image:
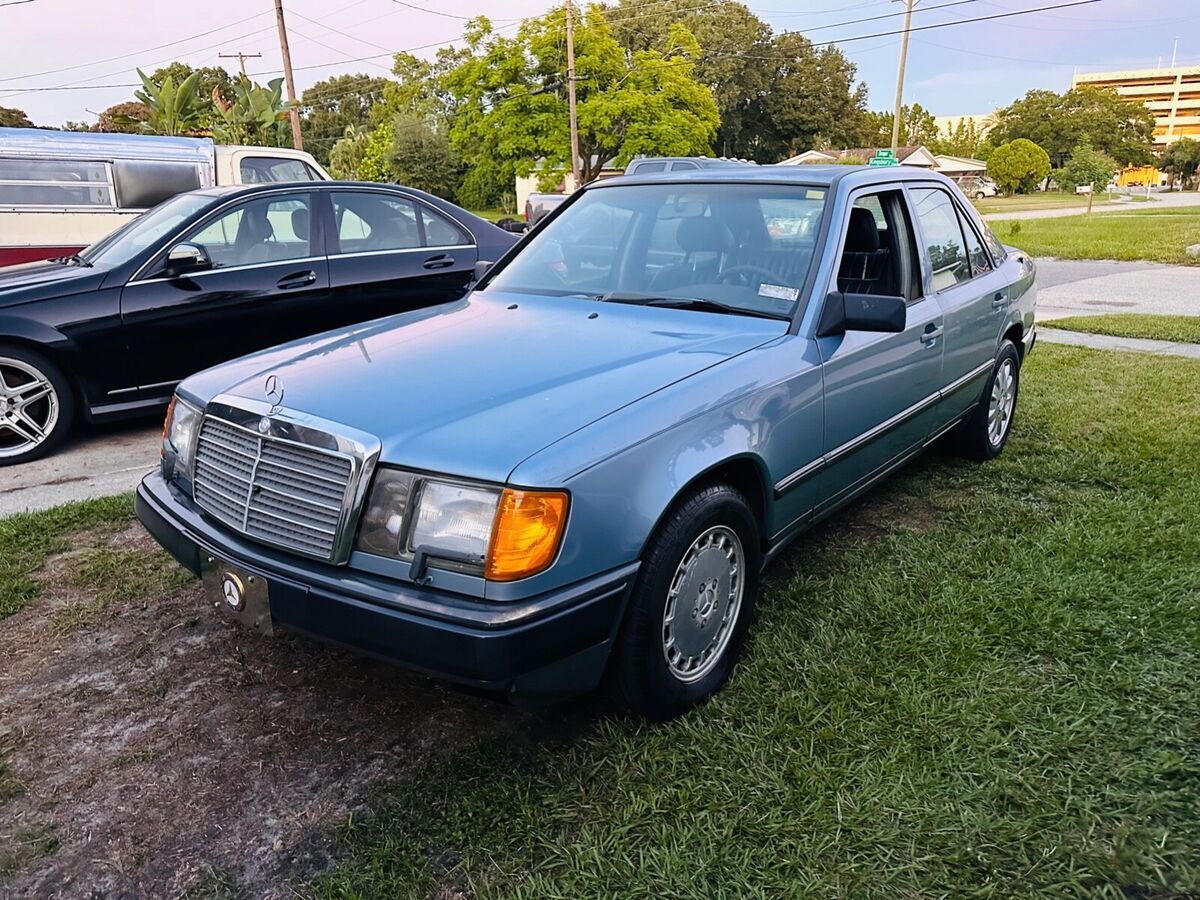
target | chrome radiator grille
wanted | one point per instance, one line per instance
(275, 491)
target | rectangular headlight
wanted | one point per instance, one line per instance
(503, 535)
(179, 434)
(454, 519)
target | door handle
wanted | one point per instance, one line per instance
(932, 333)
(296, 280)
(999, 299)
(441, 261)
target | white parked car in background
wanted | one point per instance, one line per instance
(977, 187)
(61, 191)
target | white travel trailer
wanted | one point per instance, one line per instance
(63, 190)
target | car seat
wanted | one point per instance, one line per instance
(864, 262)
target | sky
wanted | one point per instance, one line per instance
(87, 50)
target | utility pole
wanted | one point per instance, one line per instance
(900, 76)
(297, 139)
(574, 122)
(241, 58)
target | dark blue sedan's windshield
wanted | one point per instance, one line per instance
(746, 246)
(135, 236)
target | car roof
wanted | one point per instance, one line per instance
(811, 175)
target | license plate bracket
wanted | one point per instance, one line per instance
(237, 592)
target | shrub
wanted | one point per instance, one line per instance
(1018, 166)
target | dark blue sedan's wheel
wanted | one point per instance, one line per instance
(691, 606)
(36, 405)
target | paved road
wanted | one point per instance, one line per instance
(113, 459)
(99, 461)
(1091, 287)
(1157, 201)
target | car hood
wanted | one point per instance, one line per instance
(30, 281)
(475, 387)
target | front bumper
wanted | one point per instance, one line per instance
(543, 647)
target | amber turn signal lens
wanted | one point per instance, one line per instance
(525, 538)
(162, 451)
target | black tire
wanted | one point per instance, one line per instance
(15, 365)
(644, 681)
(974, 438)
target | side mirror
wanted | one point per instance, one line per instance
(184, 258)
(861, 312)
(482, 267)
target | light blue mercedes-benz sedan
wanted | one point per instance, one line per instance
(576, 473)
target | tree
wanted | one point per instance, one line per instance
(423, 158)
(331, 106)
(917, 128)
(1018, 166)
(1061, 122)
(11, 117)
(171, 108)
(123, 118)
(1182, 159)
(511, 105)
(1086, 166)
(210, 78)
(346, 157)
(255, 116)
(776, 94)
(964, 138)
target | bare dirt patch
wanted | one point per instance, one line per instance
(156, 749)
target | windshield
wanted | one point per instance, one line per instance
(742, 247)
(136, 235)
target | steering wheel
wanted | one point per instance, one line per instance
(744, 273)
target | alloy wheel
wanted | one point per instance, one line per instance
(703, 603)
(29, 407)
(1004, 397)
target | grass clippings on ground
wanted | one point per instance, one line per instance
(1002, 705)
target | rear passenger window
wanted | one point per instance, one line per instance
(980, 264)
(369, 222)
(440, 231)
(943, 237)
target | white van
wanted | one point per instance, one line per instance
(63, 190)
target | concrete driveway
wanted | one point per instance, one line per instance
(98, 461)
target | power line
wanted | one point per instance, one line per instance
(15, 2)
(100, 62)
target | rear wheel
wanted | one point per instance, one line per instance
(985, 432)
(691, 606)
(36, 405)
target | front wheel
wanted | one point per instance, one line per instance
(985, 432)
(36, 405)
(691, 606)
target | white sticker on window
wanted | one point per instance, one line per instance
(778, 291)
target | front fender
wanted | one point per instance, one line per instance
(761, 411)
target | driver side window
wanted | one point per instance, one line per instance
(877, 250)
(270, 229)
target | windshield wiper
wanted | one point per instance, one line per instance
(74, 260)
(698, 303)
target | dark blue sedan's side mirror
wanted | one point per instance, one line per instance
(861, 312)
(481, 268)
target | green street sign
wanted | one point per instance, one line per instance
(883, 158)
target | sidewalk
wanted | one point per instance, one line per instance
(1156, 201)
(1106, 342)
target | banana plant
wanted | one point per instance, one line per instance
(256, 115)
(173, 109)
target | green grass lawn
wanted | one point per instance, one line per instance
(1159, 235)
(980, 682)
(1042, 200)
(28, 539)
(1185, 329)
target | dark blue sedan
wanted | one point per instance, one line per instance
(212, 275)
